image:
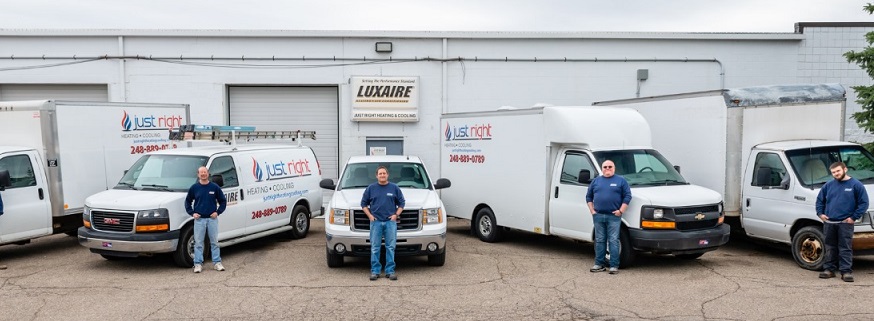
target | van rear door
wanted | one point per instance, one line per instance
(27, 211)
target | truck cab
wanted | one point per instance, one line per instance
(421, 227)
(27, 212)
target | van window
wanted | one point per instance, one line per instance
(224, 166)
(20, 170)
(573, 165)
(771, 161)
(163, 173)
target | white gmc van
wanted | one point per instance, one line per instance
(270, 189)
(422, 225)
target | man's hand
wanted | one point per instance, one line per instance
(850, 220)
(823, 217)
(617, 213)
(214, 215)
(394, 217)
(196, 215)
(371, 217)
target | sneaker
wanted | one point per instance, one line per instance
(614, 270)
(597, 268)
(219, 267)
(847, 277)
(826, 274)
(198, 268)
(373, 277)
(393, 276)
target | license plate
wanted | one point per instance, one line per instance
(703, 242)
(107, 244)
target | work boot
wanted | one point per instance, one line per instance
(826, 274)
(847, 277)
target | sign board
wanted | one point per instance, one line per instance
(386, 99)
(378, 150)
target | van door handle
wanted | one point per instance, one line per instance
(748, 202)
(241, 194)
(39, 191)
(556, 192)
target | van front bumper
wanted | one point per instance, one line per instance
(679, 242)
(128, 244)
(405, 246)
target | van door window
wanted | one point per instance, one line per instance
(20, 170)
(224, 166)
(768, 163)
(573, 164)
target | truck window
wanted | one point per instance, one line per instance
(771, 161)
(20, 170)
(811, 165)
(573, 164)
(224, 166)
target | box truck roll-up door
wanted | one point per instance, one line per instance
(16, 92)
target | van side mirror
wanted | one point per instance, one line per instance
(763, 177)
(327, 184)
(4, 180)
(442, 183)
(784, 183)
(585, 176)
(677, 168)
(218, 180)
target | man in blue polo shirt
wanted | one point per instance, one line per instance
(608, 197)
(209, 202)
(383, 203)
(840, 203)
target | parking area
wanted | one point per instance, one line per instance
(526, 276)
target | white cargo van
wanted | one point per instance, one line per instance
(53, 154)
(421, 227)
(270, 189)
(529, 169)
(767, 149)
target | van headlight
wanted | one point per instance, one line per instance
(339, 217)
(432, 216)
(155, 213)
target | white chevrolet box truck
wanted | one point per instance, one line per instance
(54, 154)
(767, 150)
(529, 169)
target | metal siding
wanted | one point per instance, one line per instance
(17, 92)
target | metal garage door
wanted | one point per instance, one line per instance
(54, 92)
(292, 108)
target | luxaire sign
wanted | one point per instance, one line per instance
(390, 99)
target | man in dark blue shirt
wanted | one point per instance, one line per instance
(608, 197)
(383, 203)
(205, 195)
(840, 203)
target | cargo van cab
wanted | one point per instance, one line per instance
(270, 189)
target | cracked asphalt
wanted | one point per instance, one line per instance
(526, 276)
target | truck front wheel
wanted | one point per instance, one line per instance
(334, 260)
(184, 255)
(437, 259)
(808, 248)
(300, 222)
(485, 226)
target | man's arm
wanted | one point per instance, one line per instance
(188, 199)
(861, 202)
(365, 204)
(820, 203)
(222, 200)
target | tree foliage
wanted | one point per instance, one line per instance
(864, 94)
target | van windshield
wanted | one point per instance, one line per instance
(406, 175)
(811, 165)
(642, 167)
(171, 173)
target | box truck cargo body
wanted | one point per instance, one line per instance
(767, 150)
(529, 170)
(57, 153)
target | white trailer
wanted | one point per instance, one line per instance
(530, 169)
(767, 150)
(54, 154)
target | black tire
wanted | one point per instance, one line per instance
(689, 256)
(437, 259)
(485, 227)
(300, 222)
(627, 254)
(115, 258)
(808, 248)
(184, 254)
(334, 260)
(74, 233)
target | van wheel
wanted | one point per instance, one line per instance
(627, 254)
(334, 260)
(689, 256)
(300, 222)
(808, 248)
(437, 259)
(184, 254)
(486, 227)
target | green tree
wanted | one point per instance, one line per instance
(864, 94)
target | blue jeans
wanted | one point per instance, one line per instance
(206, 225)
(838, 245)
(378, 230)
(607, 234)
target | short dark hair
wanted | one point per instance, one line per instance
(382, 167)
(838, 164)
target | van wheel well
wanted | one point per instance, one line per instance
(305, 203)
(476, 210)
(800, 224)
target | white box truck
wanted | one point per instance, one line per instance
(529, 170)
(767, 150)
(54, 154)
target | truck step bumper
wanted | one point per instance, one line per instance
(680, 242)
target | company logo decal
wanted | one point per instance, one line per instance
(468, 132)
(280, 169)
(132, 122)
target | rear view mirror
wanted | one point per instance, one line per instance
(442, 183)
(585, 177)
(763, 177)
(327, 184)
(218, 180)
(4, 180)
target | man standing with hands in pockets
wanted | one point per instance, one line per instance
(209, 202)
(383, 203)
(608, 197)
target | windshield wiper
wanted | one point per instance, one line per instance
(158, 187)
(674, 181)
(126, 184)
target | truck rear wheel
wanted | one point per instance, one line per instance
(485, 226)
(300, 222)
(437, 259)
(808, 248)
(334, 260)
(184, 254)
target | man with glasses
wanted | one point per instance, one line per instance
(608, 197)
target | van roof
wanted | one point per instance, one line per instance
(212, 150)
(806, 143)
(384, 159)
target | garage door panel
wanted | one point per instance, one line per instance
(14, 92)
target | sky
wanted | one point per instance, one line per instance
(432, 15)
